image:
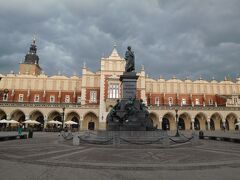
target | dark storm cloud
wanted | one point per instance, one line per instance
(183, 38)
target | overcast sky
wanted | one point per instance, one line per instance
(170, 37)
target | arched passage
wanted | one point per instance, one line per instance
(184, 121)
(217, 121)
(90, 121)
(231, 120)
(200, 122)
(56, 116)
(38, 116)
(73, 116)
(212, 125)
(168, 122)
(2, 116)
(155, 120)
(18, 115)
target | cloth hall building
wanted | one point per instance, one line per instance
(31, 94)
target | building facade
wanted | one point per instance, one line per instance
(31, 94)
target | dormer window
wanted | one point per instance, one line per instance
(235, 100)
(210, 102)
(20, 98)
(170, 101)
(5, 97)
(67, 99)
(184, 102)
(197, 102)
(52, 99)
(36, 98)
(157, 101)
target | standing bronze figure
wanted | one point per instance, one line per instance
(129, 57)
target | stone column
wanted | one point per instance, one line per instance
(192, 121)
(27, 117)
(238, 125)
(224, 124)
(81, 123)
(208, 124)
(8, 116)
(102, 120)
(160, 122)
(102, 104)
(45, 121)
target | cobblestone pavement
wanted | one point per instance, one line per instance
(44, 157)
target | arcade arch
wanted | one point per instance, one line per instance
(184, 121)
(168, 122)
(37, 116)
(73, 116)
(231, 120)
(155, 120)
(200, 121)
(3, 115)
(90, 121)
(55, 115)
(18, 115)
(216, 122)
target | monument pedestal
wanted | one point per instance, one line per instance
(129, 114)
(129, 84)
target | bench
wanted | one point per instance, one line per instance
(13, 137)
(218, 138)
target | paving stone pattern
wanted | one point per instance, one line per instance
(44, 157)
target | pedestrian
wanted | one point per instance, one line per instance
(223, 126)
(20, 129)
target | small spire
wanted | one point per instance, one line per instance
(142, 67)
(34, 39)
(115, 45)
(114, 54)
(174, 77)
(84, 64)
(229, 77)
(200, 77)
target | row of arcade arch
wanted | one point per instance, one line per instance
(198, 122)
(89, 121)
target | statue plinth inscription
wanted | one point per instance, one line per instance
(129, 81)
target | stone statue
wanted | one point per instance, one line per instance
(143, 107)
(129, 57)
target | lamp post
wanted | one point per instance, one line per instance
(63, 117)
(177, 133)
